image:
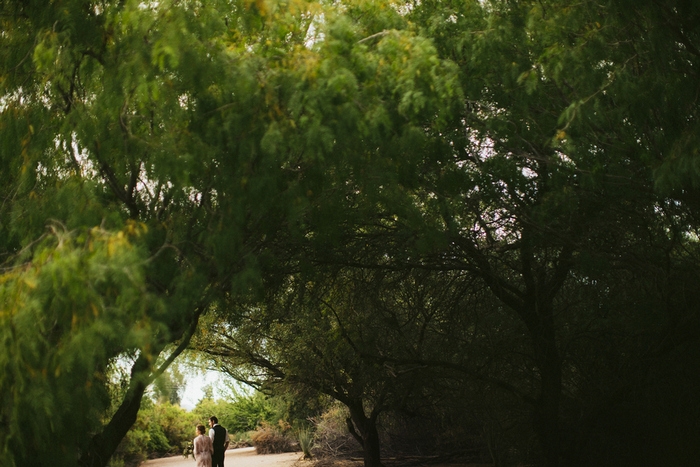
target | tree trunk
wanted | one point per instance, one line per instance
(546, 413)
(103, 445)
(364, 430)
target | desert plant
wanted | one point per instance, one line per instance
(306, 442)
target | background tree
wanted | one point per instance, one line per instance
(169, 386)
(519, 193)
(313, 337)
(542, 176)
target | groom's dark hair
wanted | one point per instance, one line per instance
(214, 419)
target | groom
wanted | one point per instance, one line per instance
(219, 437)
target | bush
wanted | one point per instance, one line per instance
(268, 440)
(241, 439)
(176, 424)
(242, 415)
(133, 449)
(159, 430)
(332, 438)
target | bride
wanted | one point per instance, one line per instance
(203, 448)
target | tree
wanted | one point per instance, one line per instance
(172, 118)
(169, 386)
(361, 337)
(93, 285)
(548, 165)
(544, 177)
(121, 117)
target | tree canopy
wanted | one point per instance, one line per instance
(499, 196)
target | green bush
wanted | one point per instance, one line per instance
(133, 448)
(160, 430)
(176, 424)
(244, 414)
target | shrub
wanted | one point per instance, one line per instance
(241, 439)
(306, 442)
(160, 429)
(332, 438)
(243, 414)
(268, 440)
(176, 424)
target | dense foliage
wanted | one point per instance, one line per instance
(471, 212)
(159, 430)
(164, 429)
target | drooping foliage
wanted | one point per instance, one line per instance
(528, 167)
(76, 302)
(204, 124)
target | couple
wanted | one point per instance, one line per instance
(209, 450)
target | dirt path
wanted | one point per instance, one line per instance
(243, 457)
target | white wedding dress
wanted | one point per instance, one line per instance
(203, 449)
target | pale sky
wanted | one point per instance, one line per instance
(194, 387)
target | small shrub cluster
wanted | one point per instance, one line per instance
(332, 438)
(160, 430)
(240, 440)
(269, 440)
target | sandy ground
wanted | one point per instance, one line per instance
(242, 457)
(247, 457)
